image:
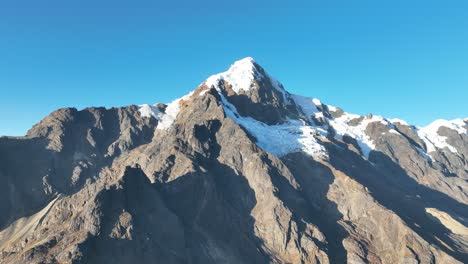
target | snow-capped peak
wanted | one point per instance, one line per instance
(240, 75)
(245, 61)
(294, 133)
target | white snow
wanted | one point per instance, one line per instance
(435, 141)
(306, 104)
(282, 139)
(165, 119)
(342, 127)
(319, 115)
(241, 76)
(316, 101)
(396, 120)
(170, 114)
(456, 124)
(147, 110)
(332, 108)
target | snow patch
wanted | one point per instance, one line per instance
(292, 136)
(396, 120)
(456, 124)
(332, 108)
(306, 104)
(342, 128)
(319, 115)
(166, 118)
(316, 101)
(435, 141)
(147, 110)
(341, 124)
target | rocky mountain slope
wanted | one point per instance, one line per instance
(238, 171)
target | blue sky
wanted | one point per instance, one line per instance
(406, 59)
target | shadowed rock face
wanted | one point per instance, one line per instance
(63, 152)
(266, 100)
(110, 186)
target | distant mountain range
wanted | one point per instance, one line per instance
(238, 171)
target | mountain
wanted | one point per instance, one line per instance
(238, 171)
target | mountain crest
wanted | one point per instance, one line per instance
(253, 92)
(245, 75)
(241, 75)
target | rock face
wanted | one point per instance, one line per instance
(238, 171)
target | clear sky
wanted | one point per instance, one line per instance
(406, 59)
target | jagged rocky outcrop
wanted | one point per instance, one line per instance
(62, 153)
(238, 171)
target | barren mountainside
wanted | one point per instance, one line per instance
(238, 171)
